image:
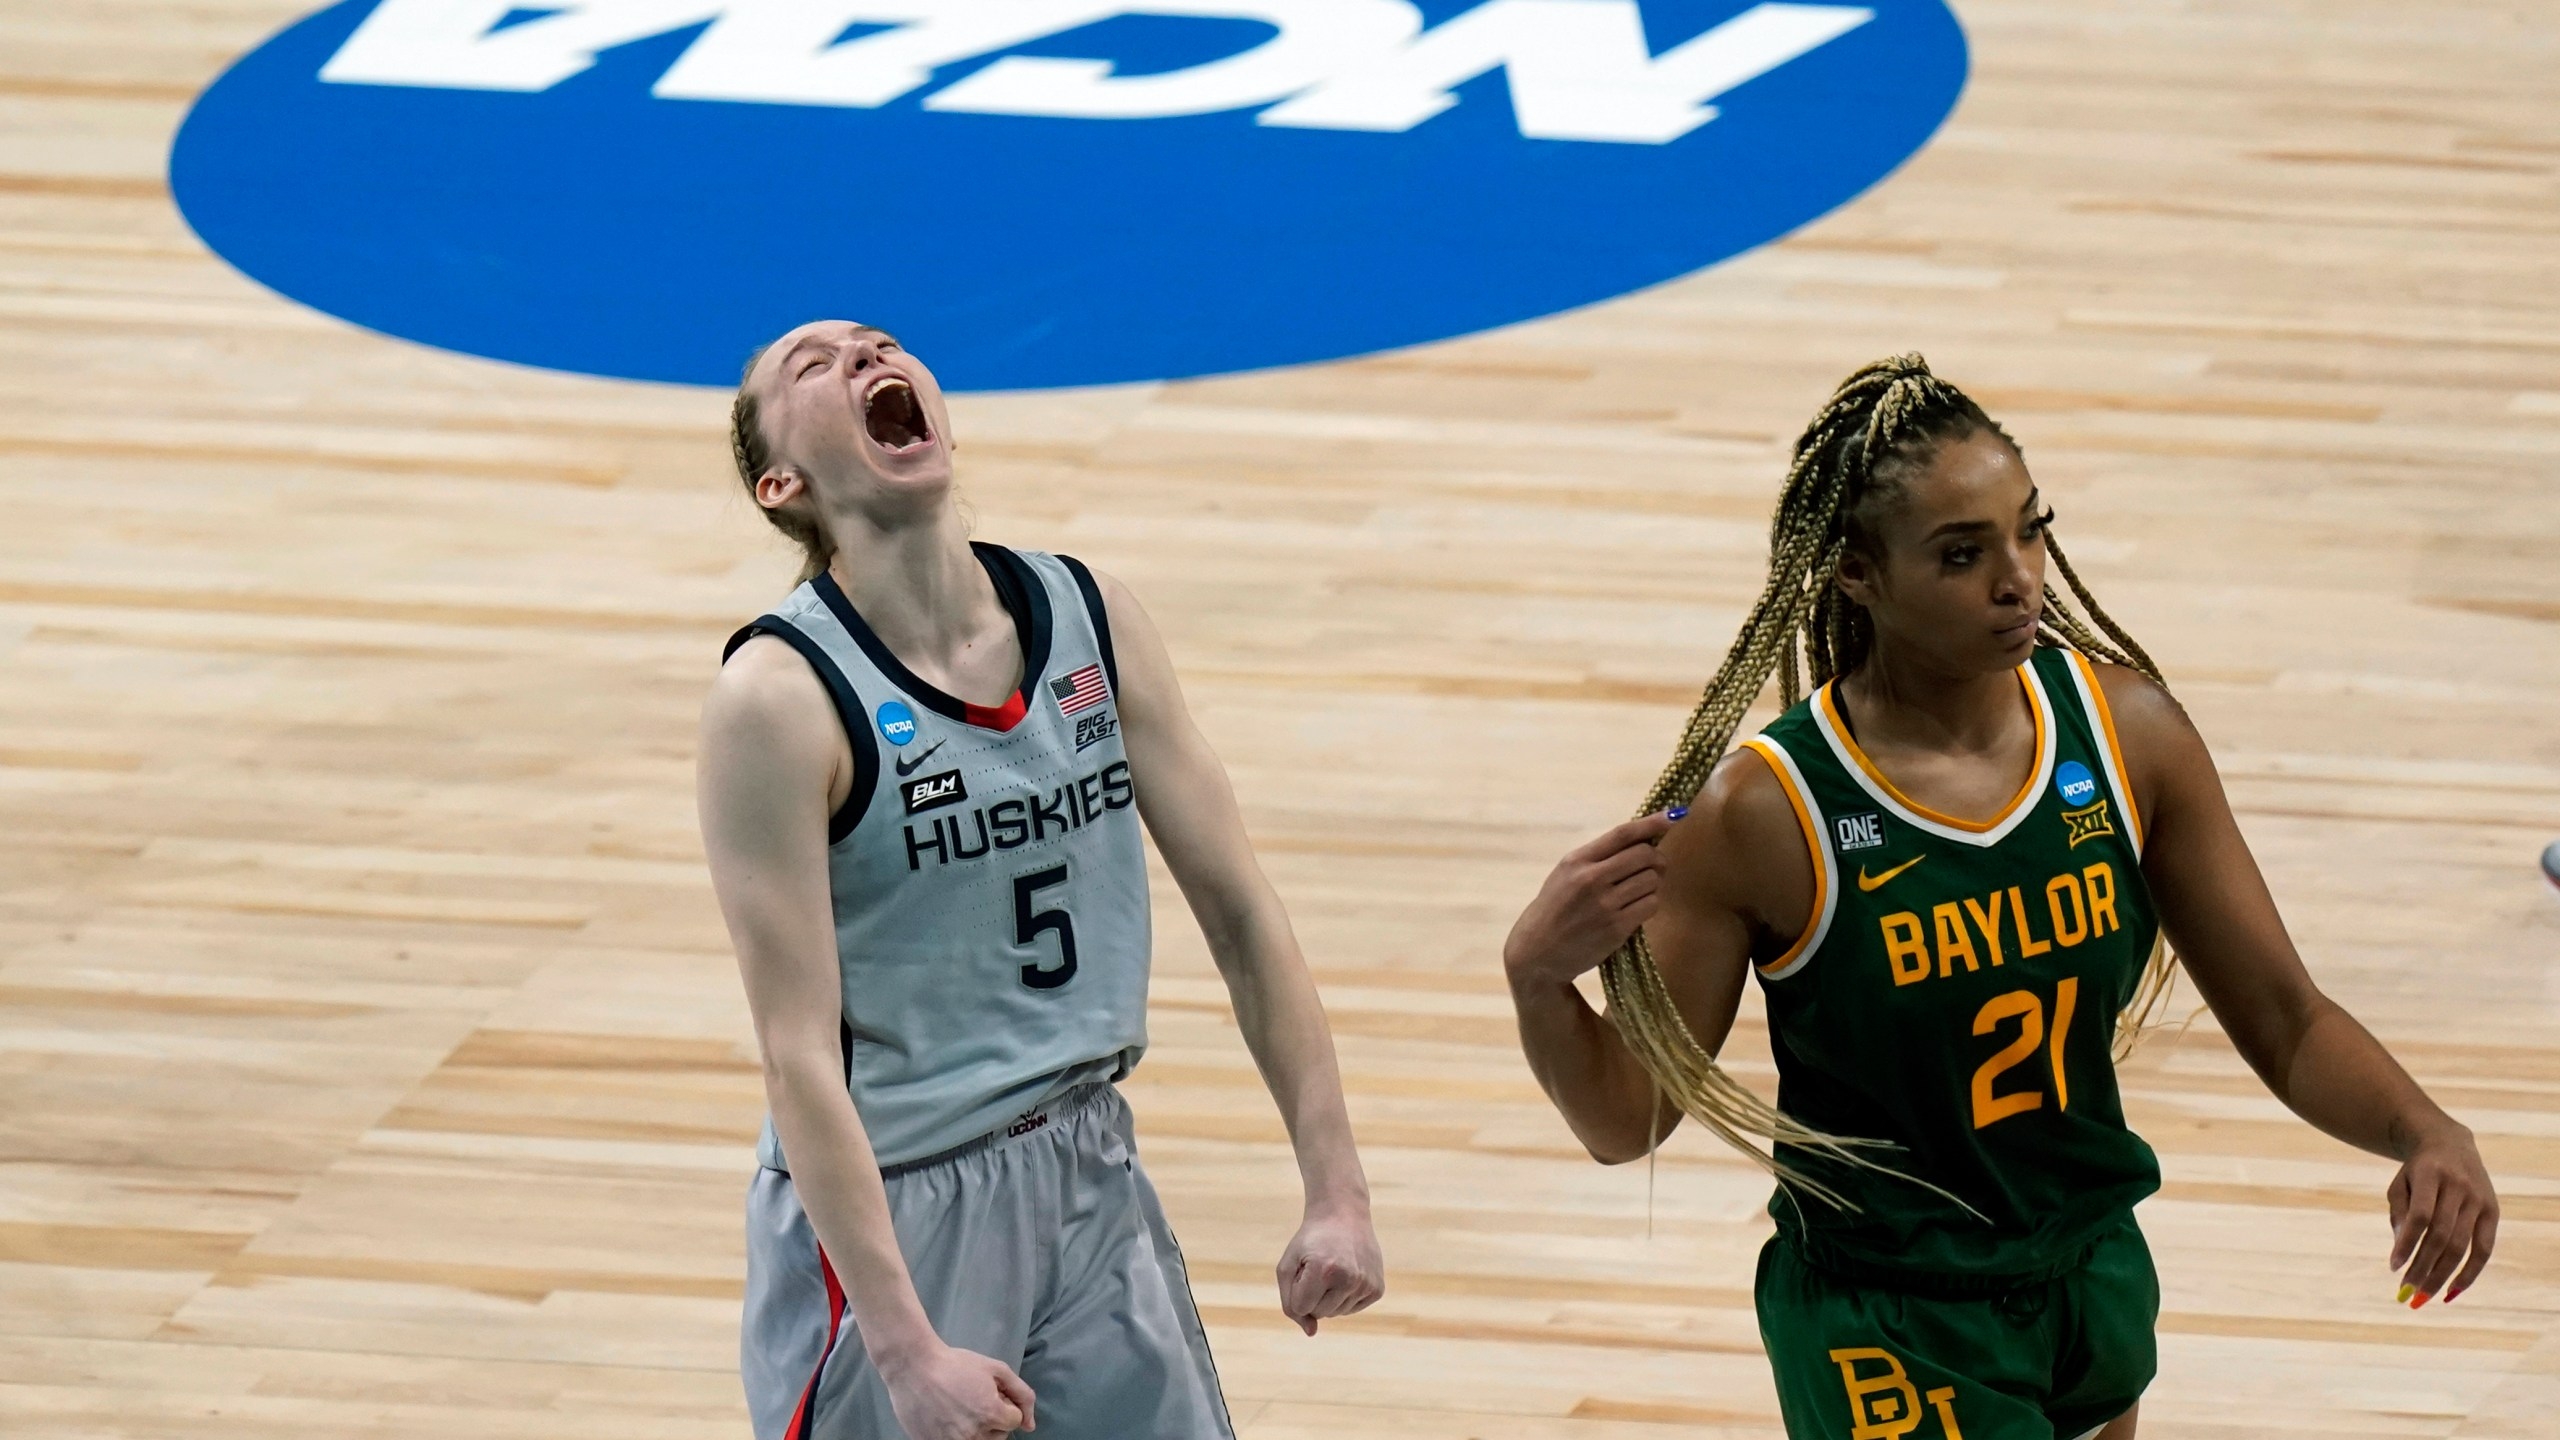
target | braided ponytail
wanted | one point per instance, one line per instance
(752, 453)
(1882, 423)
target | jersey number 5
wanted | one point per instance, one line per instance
(1988, 1107)
(1028, 923)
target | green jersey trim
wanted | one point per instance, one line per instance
(1982, 834)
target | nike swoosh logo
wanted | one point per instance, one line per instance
(1870, 882)
(907, 766)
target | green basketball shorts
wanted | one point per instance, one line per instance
(2054, 1360)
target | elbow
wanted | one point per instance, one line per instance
(795, 1079)
(1232, 927)
(1616, 1144)
(1614, 1152)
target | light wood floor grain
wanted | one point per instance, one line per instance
(371, 1060)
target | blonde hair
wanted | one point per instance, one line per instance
(1881, 426)
(752, 452)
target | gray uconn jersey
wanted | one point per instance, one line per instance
(990, 888)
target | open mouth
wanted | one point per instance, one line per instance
(894, 417)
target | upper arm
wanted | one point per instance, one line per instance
(1184, 795)
(2214, 903)
(1738, 885)
(774, 763)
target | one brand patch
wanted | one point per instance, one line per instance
(1214, 185)
(1095, 728)
(897, 723)
(932, 792)
(2073, 782)
(2087, 824)
(1081, 691)
(1025, 1123)
(1858, 832)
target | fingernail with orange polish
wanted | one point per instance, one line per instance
(2421, 1302)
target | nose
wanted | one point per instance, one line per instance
(862, 354)
(2017, 582)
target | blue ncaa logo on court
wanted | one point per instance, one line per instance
(1034, 193)
(897, 723)
(2074, 783)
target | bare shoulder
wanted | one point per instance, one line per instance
(1742, 839)
(1118, 600)
(2148, 719)
(1146, 669)
(1743, 799)
(767, 694)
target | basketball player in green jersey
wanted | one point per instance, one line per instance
(1948, 864)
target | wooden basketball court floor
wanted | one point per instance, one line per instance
(371, 1059)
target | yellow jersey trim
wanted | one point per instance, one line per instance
(1826, 889)
(2122, 779)
(1834, 729)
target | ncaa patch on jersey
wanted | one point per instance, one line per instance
(897, 723)
(2073, 782)
(1034, 193)
(932, 792)
(1858, 832)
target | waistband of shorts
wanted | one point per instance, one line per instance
(1067, 1105)
(1934, 1284)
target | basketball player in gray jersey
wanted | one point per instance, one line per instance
(922, 779)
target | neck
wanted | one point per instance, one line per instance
(917, 584)
(1900, 698)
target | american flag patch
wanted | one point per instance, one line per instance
(1081, 691)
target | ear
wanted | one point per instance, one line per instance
(1860, 578)
(780, 486)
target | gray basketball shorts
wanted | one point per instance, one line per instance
(1042, 1245)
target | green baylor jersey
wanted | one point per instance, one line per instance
(1955, 993)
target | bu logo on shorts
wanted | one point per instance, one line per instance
(1156, 188)
(1883, 1403)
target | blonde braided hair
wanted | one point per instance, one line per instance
(1883, 424)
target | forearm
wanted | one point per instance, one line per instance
(1587, 1071)
(1284, 1027)
(838, 1181)
(2340, 1079)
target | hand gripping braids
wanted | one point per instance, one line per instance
(1882, 425)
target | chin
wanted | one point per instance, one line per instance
(921, 482)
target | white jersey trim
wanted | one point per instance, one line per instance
(1945, 827)
(2102, 729)
(1826, 869)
